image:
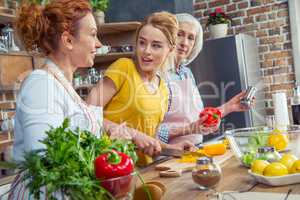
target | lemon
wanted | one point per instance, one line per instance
(258, 166)
(288, 160)
(275, 169)
(278, 140)
(295, 167)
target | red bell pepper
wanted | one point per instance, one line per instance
(113, 164)
(114, 169)
(213, 116)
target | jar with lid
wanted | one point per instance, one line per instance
(8, 33)
(268, 153)
(206, 173)
(295, 102)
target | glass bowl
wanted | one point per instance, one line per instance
(121, 188)
(247, 140)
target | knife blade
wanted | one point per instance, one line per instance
(171, 152)
(179, 153)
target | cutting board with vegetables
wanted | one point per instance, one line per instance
(174, 168)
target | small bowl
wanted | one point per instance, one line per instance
(121, 188)
(239, 139)
(156, 190)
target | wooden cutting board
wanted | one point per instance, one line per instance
(173, 168)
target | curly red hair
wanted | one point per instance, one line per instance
(40, 27)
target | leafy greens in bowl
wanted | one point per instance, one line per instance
(66, 164)
(245, 142)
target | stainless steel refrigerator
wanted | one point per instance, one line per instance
(226, 66)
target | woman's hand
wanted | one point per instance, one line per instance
(193, 128)
(120, 132)
(147, 144)
(199, 128)
(182, 145)
(144, 143)
(234, 104)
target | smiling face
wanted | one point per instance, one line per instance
(152, 48)
(85, 43)
(185, 41)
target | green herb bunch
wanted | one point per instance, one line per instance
(67, 163)
(99, 5)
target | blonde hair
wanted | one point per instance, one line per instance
(168, 25)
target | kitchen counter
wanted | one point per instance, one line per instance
(235, 178)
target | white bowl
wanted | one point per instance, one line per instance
(276, 180)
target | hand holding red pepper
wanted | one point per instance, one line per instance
(213, 116)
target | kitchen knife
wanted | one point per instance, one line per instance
(178, 153)
(171, 152)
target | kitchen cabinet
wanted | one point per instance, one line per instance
(14, 66)
(6, 18)
(116, 34)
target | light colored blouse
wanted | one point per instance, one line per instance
(43, 102)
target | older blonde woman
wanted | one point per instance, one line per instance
(182, 121)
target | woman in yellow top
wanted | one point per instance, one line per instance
(132, 90)
(139, 101)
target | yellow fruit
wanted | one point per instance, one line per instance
(226, 143)
(258, 166)
(276, 169)
(278, 140)
(276, 131)
(295, 167)
(288, 160)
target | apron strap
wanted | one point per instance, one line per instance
(170, 96)
(52, 69)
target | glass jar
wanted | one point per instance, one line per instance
(93, 75)
(8, 33)
(268, 153)
(206, 173)
(77, 80)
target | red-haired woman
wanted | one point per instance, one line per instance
(66, 32)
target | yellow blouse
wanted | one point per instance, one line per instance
(133, 103)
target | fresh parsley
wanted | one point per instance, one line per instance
(67, 163)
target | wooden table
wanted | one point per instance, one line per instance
(235, 178)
